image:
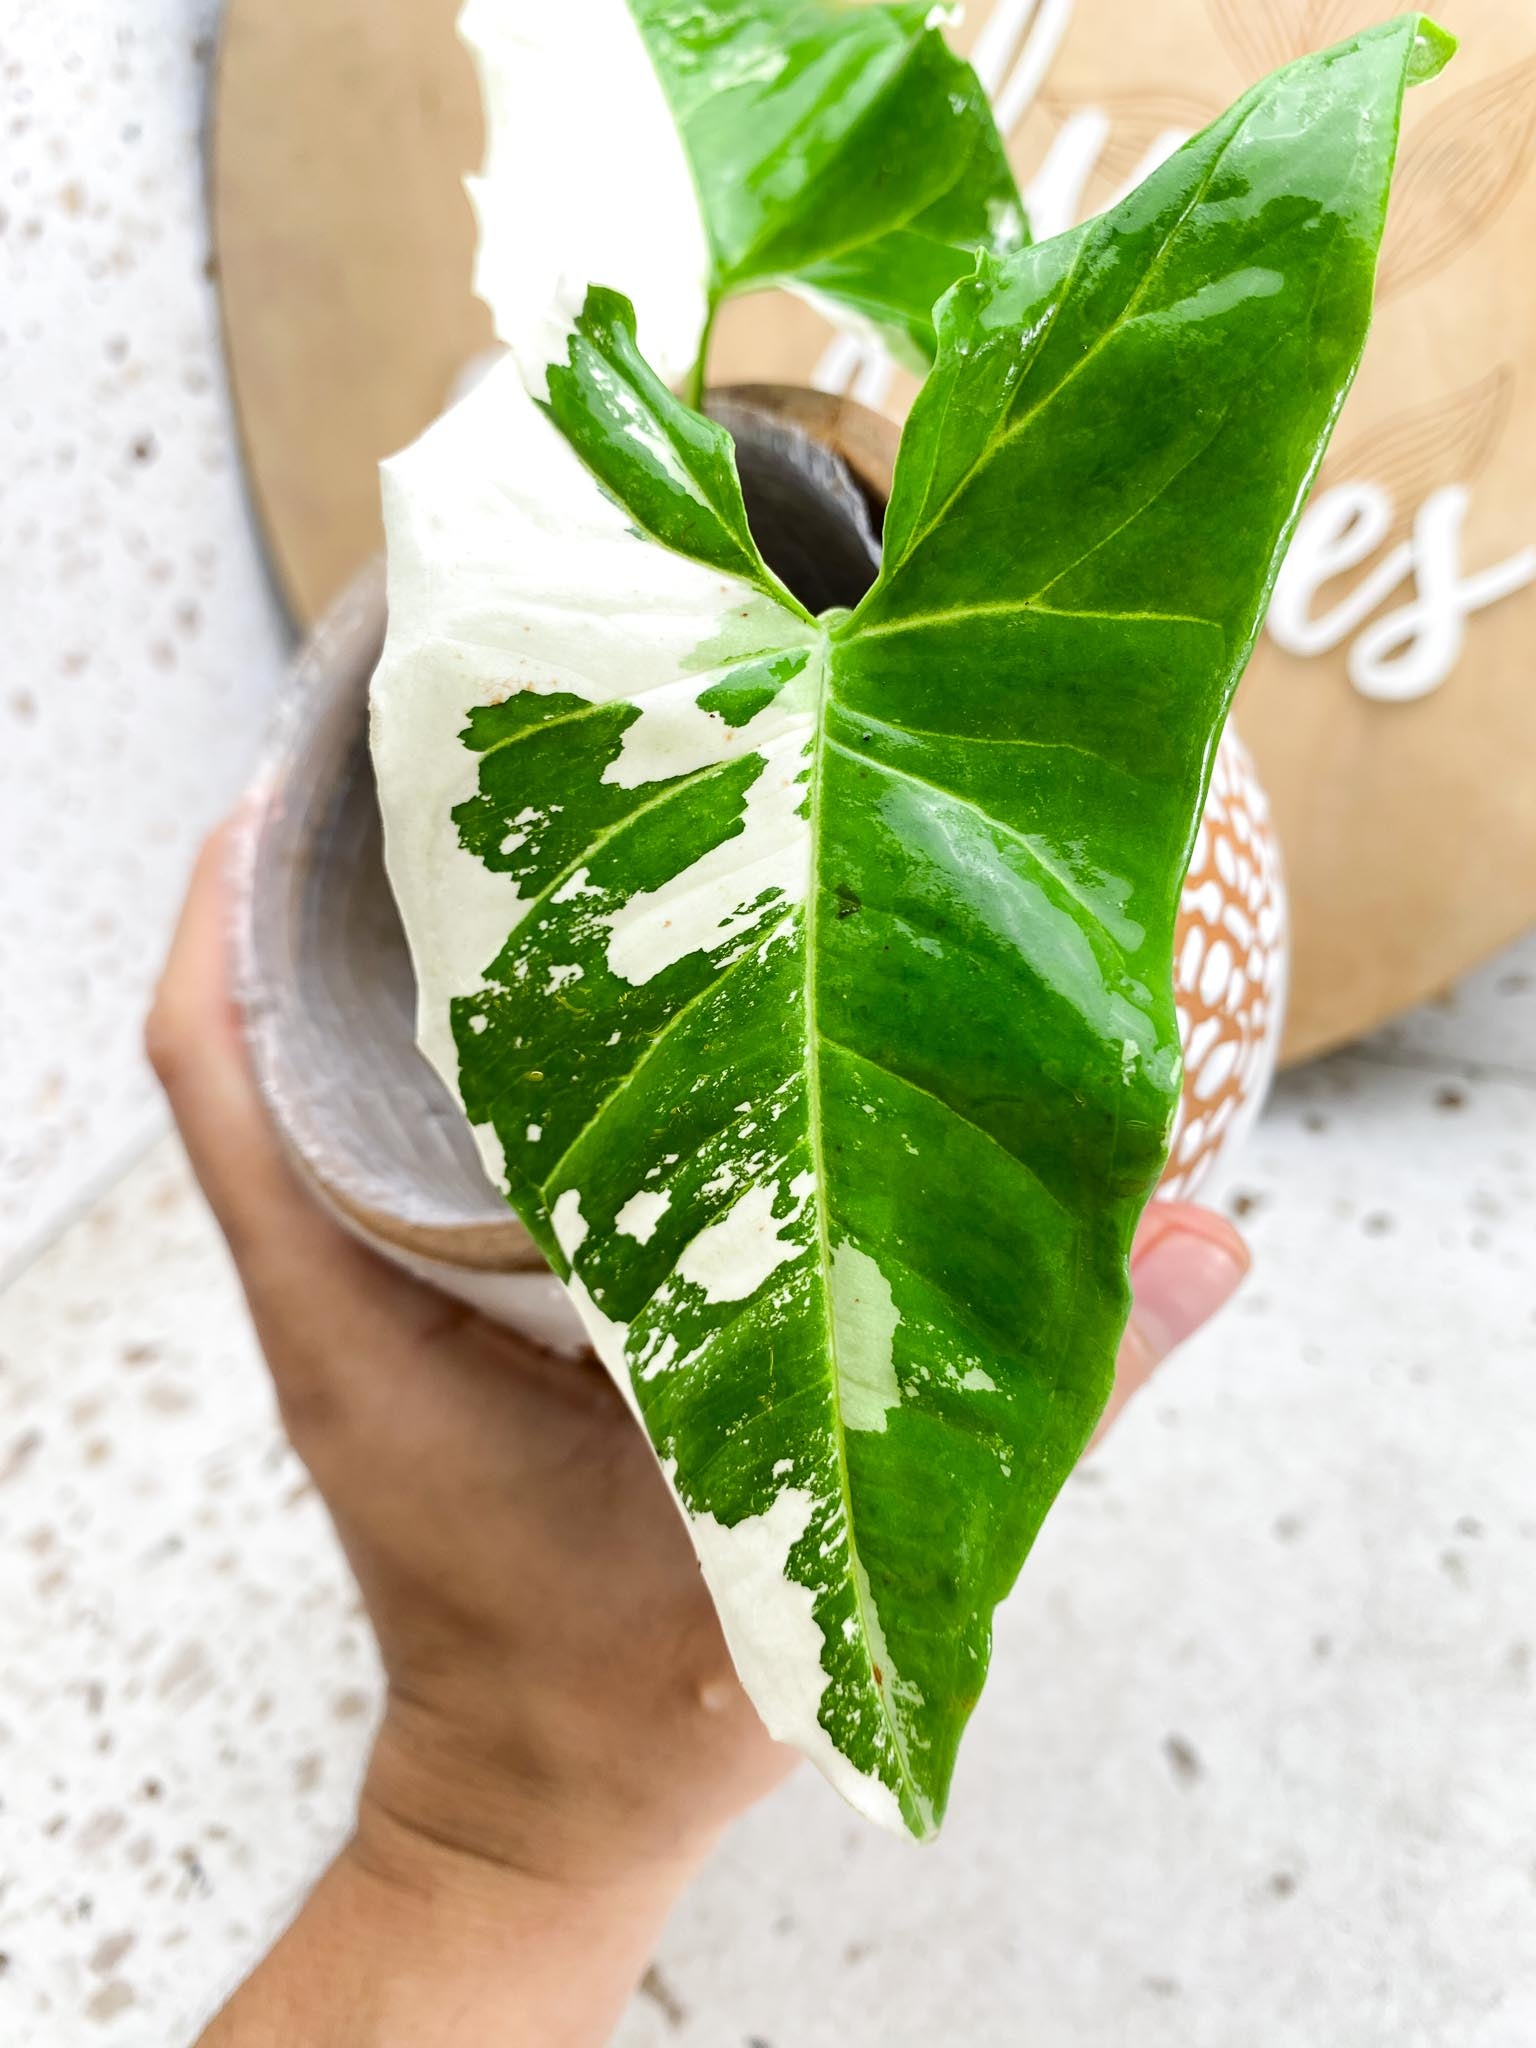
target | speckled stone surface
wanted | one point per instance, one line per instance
(140, 643)
(1253, 1770)
(185, 1680)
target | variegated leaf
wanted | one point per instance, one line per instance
(808, 981)
(685, 154)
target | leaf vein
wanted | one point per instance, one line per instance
(918, 1088)
(1000, 825)
(963, 739)
(1007, 607)
(660, 1038)
(998, 440)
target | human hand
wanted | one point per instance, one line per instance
(562, 1725)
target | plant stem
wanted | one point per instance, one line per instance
(698, 375)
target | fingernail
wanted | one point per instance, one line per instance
(1181, 1281)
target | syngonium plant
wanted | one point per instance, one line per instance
(808, 980)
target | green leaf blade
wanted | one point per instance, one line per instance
(841, 151)
(666, 464)
(844, 152)
(1258, 239)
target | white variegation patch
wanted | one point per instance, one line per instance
(864, 1322)
(776, 1642)
(675, 735)
(608, 1339)
(641, 1214)
(720, 896)
(585, 181)
(730, 1260)
(571, 1228)
(510, 569)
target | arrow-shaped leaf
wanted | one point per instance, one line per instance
(810, 982)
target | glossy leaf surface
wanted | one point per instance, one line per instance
(837, 148)
(683, 154)
(809, 983)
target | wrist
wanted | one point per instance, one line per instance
(488, 1815)
(514, 1948)
(488, 1872)
(412, 1938)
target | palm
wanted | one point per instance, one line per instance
(559, 1686)
(527, 1573)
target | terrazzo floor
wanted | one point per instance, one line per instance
(1253, 1770)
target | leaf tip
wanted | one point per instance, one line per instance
(1433, 49)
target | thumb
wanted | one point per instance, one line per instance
(1186, 1265)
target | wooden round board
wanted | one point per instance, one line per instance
(1390, 704)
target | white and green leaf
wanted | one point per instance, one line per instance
(585, 181)
(809, 981)
(685, 154)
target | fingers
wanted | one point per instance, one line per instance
(333, 1318)
(196, 1046)
(195, 1038)
(1186, 1266)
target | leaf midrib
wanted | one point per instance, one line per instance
(998, 440)
(858, 1573)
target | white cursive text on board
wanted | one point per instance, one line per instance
(1415, 648)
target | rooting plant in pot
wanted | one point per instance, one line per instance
(793, 904)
